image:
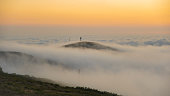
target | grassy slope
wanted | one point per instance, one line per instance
(18, 85)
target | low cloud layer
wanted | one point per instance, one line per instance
(137, 71)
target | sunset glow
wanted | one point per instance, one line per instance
(85, 12)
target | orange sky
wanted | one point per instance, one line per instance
(85, 12)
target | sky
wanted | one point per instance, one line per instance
(85, 12)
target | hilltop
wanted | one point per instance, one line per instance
(90, 45)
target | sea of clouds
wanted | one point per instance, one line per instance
(135, 71)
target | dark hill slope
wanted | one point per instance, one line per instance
(19, 85)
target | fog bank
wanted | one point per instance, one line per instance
(136, 71)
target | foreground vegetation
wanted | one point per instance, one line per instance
(19, 85)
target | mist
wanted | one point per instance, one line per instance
(135, 71)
